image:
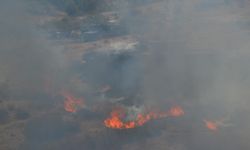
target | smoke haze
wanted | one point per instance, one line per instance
(26, 56)
(196, 54)
(201, 55)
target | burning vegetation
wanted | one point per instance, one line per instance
(71, 103)
(136, 74)
(116, 119)
(214, 125)
(211, 125)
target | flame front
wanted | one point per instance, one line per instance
(176, 111)
(115, 120)
(211, 125)
(216, 124)
(71, 103)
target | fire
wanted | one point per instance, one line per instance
(115, 121)
(176, 111)
(71, 103)
(211, 125)
(216, 124)
(116, 118)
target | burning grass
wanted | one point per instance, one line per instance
(71, 103)
(117, 116)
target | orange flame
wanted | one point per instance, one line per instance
(115, 119)
(176, 111)
(211, 125)
(71, 103)
(216, 124)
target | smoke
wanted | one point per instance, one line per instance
(26, 57)
(199, 54)
(197, 50)
(194, 53)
